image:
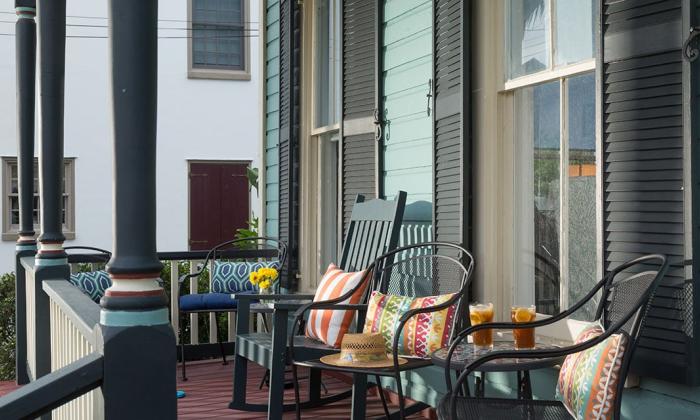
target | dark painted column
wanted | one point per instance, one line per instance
(25, 46)
(138, 341)
(52, 61)
(50, 261)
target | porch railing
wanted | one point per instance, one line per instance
(73, 320)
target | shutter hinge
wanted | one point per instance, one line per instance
(690, 49)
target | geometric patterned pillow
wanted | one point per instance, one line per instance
(422, 334)
(232, 277)
(588, 380)
(92, 283)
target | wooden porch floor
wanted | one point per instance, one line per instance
(209, 393)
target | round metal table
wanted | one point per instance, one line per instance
(466, 353)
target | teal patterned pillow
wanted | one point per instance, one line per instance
(232, 277)
(92, 283)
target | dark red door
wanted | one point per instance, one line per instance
(219, 202)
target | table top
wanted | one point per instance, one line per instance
(465, 353)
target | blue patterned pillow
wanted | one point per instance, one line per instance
(232, 277)
(92, 283)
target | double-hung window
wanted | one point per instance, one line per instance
(219, 39)
(551, 84)
(10, 192)
(326, 119)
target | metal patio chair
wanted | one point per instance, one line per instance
(624, 304)
(373, 230)
(94, 281)
(227, 280)
(421, 270)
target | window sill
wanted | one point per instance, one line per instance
(12, 236)
(214, 74)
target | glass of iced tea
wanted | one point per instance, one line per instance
(480, 313)
(524, 337)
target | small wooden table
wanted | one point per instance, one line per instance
(466, 353)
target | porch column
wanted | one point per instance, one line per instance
(50, 261)
(25, 46)
(52, 61)
(139, 343)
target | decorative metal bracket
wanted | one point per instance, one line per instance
(377, 125)
(429, 95)
(690, 46)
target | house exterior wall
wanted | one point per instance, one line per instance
(494, 221)
(198, 119)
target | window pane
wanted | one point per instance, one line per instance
(537, 198)
(327, 107)
(581, 190)
(574, 28)
(528, 27)
(218, 34)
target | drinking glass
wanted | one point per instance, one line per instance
(524, 337)
(481, 313)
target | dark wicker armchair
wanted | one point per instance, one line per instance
(623, 306)
(421, 270)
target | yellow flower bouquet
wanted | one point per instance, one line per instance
(264, 279)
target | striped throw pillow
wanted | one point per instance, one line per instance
(423, 333)
(329, 326)
(588, 380)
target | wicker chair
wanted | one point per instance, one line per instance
(622, 309)
(414, 271)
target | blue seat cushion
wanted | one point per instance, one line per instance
(207, 301)
(232, 277)
(92, 283)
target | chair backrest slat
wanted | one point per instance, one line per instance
(373, 230)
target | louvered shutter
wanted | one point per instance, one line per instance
(452, 138)
(290, 43)
(645, 205)
(359, 101)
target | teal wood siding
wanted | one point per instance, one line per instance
(407, 69)
(272, 120)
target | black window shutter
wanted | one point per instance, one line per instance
(640, 70)
(452, 122)
(359, 101)
(290, 44)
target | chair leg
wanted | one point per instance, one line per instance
(265, 378)
(297, 399)
(380, 389)
(182, 348)
(399, 390)
(218, 339)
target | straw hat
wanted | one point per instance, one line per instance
(361, 351)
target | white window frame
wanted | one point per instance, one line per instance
(194, 72)
(9, 231)
(564, 332)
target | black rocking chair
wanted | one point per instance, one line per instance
(427, 269)
(622, 309)
(373, 230)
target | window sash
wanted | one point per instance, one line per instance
(552, 71)
(564, 197)
(11, 229)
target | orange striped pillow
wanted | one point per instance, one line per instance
(329, 326)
